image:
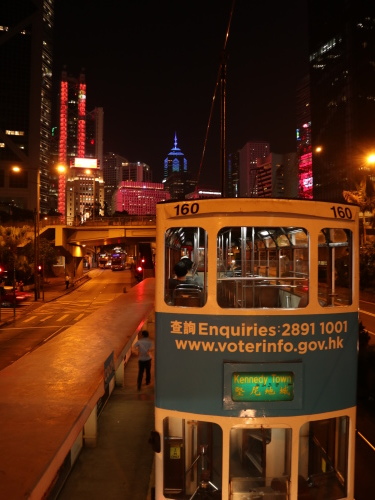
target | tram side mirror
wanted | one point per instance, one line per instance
(154, 440)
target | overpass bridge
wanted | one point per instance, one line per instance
(77, 241)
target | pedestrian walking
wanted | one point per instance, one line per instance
(144, 346)
(67, 281)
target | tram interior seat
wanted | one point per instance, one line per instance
(188, 295)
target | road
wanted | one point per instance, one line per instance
(32, 327)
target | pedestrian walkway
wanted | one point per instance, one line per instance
(120, 467)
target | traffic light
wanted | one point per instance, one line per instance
(138, 273)
(40, 269)
(3, 273)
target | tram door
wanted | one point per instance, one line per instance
(327, 451)
(192, 457)
(174, 457)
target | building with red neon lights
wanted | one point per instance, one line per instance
(80, 136)
(139, 198)
(304, 147)
(72, 127)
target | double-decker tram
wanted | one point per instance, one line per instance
(256, 349)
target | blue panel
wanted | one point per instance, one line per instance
(191, 351)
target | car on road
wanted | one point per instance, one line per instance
(12, 297)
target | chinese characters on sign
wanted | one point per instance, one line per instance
(266, 386)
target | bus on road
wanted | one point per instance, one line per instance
(118, 261)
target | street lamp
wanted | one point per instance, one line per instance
(367, 192)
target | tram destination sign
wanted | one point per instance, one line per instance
(262, 386)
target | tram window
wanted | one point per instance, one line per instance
(323, 455)
(185, 250)
(260, 461)
(261, 267)
(335, 270)
(192, 458)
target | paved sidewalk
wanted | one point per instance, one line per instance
(120, 467)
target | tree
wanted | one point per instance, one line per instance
(11, 238)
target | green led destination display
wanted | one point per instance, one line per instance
(262, 386)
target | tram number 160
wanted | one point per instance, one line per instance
(342, 212)
(186, 209)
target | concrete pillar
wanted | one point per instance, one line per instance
(90, 430)
(120, 374)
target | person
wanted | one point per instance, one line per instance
(144, 346)
(191, 277)
(180, 272)
(67, 281)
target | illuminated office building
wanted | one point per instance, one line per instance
(80, 135)
(275, 176)
(84, 191)
(25, 102)
(177, 178)
(342, 92)
(116, 169)
(138, 198)
(303, 136)
(248, 156)
(233, 169)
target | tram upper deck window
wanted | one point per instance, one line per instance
(262, 267)
(335, 267)
(185, 266)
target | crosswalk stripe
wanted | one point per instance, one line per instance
(62, 317)
(29, 319)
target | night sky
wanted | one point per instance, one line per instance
(153, 67)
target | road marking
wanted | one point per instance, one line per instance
(366, 440)
(63, 317)
(47, 317)
(366, 312)
(29, 319)
(78, 317)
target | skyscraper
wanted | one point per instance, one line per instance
(116, 169)
(25, 102)
(342, 89)
(304, 148)
(177, 178)
(249, 154)
(80, 136)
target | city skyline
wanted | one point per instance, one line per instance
(154, 73)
